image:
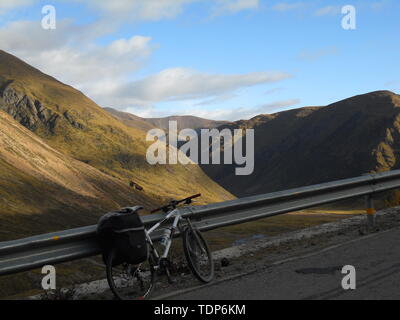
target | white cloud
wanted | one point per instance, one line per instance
(72, 57)
(23, 36)
(218, 99)
(122, 47)
(71, 54)
(85, 69)
(187, 84)
(245, 112)
(233, 6)
(329, 10)
(103, 72)
(132, 10)
(11, 4)
(284, 6)
(138, 9)
(29, 36)
(231, 114)
(120, 11)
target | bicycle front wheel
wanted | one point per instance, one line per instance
(130, 282)
(198, 255)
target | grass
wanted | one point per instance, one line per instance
(273, 226)
(68, 274)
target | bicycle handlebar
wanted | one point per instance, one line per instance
(173, 203)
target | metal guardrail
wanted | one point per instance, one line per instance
(34, 252)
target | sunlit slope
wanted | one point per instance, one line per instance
(73, 124)
(131, 120)
(42, 189)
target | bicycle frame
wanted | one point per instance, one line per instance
(177, 217)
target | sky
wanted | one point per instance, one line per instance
(217, 59)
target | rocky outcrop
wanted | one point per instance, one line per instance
(32, 113)
(71, 119)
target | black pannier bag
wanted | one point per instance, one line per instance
(123, 231)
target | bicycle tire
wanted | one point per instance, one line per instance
(136, 275)
(193, 237)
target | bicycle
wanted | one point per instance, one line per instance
(137, 281)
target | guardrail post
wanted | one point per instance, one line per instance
(370, 211)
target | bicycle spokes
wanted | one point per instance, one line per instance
(131, 281)
(198, 255)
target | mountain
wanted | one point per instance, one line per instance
(43, 189)
(74, 125)
(318, 144)
(131, 120)
(183, 122)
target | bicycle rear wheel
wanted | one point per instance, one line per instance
(198, 255)
(130, 282)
